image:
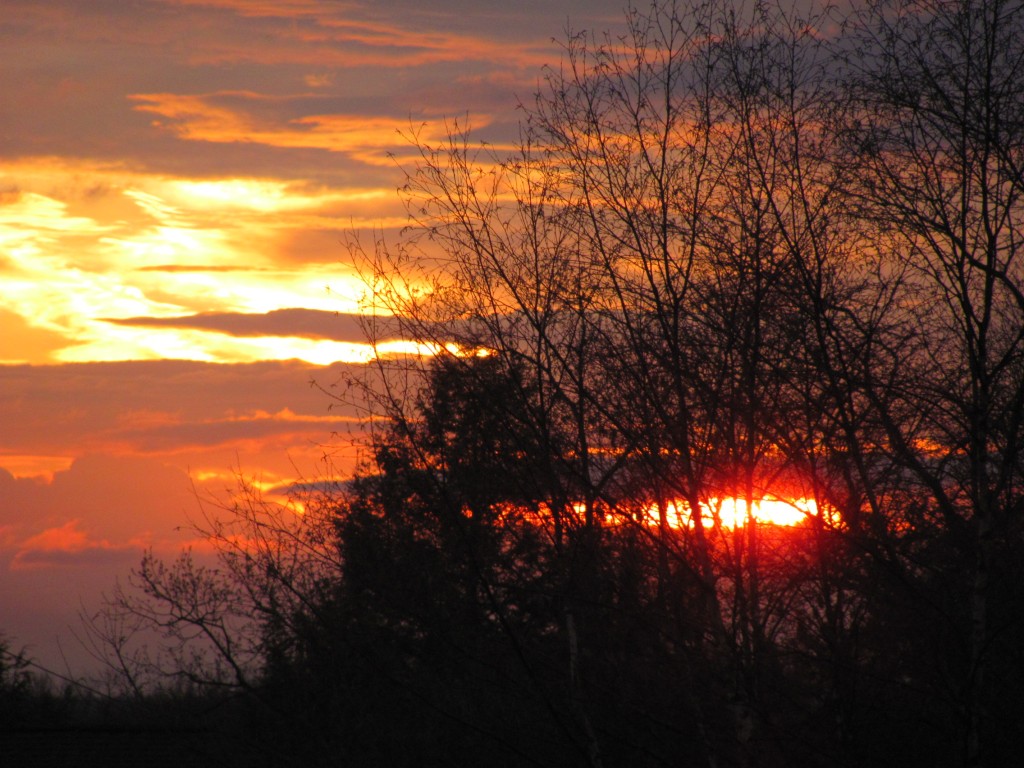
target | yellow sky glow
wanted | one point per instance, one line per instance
(137, 245)
(732, 513)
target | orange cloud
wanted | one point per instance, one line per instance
(275, 8)
(68, 546)
(356, 35)
(372, 138)
(31, 465)
(197, 416)
(23, 342)
(66, 537)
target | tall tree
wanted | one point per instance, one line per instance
(646, 259)
(937, 128)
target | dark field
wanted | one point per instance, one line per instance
(114, 747)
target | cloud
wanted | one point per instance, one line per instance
(243, 117)
(308, 323)
(311, 335)
(317, 488)
(26, 343)
(90, 557)
(256, 427)
(128, 245)
(65, 540)
(173, 268)
(318, 80)
(124, 449)
(391, 59)
(69, 546)
(107, 497)
(404, 35)
(114, 407)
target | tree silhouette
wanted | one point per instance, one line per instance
(740, 253)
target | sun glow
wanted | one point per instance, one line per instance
(130, 244)
(735, 513)
(732, 512)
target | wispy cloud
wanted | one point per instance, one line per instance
(351, 34)
(231, 117)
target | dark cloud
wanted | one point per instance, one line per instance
(308, 323)
(305, 488)
(88, 557)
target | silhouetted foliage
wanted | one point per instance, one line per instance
(741, 252)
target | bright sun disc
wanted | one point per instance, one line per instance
(731, 512)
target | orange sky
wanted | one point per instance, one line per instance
(176, 179)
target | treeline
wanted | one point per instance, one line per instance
(49, 719)
(741, 251)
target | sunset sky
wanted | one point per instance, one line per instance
(177, 178)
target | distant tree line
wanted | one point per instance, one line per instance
(741, 250)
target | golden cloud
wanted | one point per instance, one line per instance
(369, 138)
(34, 465)
(68, 545)
(127, 244)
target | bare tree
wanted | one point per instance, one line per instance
(214, 617)
(647, 257)
(938, 130)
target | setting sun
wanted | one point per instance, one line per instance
(730, 512)
(735, 513)
(546, 383)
